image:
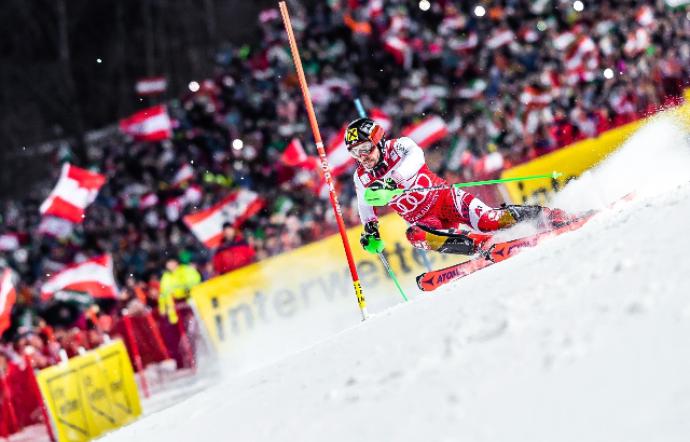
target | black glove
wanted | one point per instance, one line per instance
(380, 169)
(387, 184)
(371, 239)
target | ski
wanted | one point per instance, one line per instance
(501, 251)
(496, 252)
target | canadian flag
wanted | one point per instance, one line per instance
(339, 159)
(75, 190)
(185, 173)
(8, 296)
(427, 132)
(294, 154)
(152, 124)
(236, 208)
(94, 277)
(151, 85)
(9, 242)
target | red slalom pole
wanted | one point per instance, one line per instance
(324, 160)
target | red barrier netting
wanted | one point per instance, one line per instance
(156, 339)
(20, 406)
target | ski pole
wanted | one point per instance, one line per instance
(392, 275)
(362, 113)
(381, 197)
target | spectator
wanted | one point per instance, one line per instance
(234, 252)
(176, 284)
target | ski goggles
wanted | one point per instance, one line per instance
(361, 150)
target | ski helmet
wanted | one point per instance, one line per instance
(362, 130)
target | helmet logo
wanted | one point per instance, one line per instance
(352, 135)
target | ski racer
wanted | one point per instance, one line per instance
(433, 216)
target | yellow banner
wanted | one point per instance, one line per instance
(91, 394)
(572, 161)
(312, 279)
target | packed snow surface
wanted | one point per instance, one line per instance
(584, 338)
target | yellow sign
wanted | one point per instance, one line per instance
(312, 278)
(352, 134)
(572, 161)
(91, 394)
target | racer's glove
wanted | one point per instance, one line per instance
(370, 239)
(383, 184)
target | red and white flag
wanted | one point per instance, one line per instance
(147, 200)
(294, 154)
(500, 38)
(427, 132)
(236, 208)
(399, 49)
(55, 227)
(645, 15)
(75, 190)
(184, 174)
(8, 296)
(152, 124)
(9, 242)
(94, 277)
(151, 85)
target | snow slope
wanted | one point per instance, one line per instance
(585, 338)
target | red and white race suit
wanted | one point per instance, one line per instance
(403, 161)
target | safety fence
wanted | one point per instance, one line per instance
(96, 391)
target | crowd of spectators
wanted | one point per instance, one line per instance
(513, 78)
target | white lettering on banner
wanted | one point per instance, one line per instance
(409, 202)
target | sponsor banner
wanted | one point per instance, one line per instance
(304, 295)
(91, 394)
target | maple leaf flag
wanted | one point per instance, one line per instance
(94, 276)
(151, 124)
(427, 132)
(8, 296)
(75, 190)
(236, 208)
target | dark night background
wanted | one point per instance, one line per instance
(52, 87)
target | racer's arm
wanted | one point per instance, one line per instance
(412, 159)
(366, 212)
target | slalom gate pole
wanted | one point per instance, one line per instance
(362, 113)
(356, 284)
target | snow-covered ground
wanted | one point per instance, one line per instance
(585, 338)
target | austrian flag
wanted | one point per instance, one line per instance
(94, 277)
(427, 132)
(152, 124)
(75, 190)
(8, 296)
(236, 208)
